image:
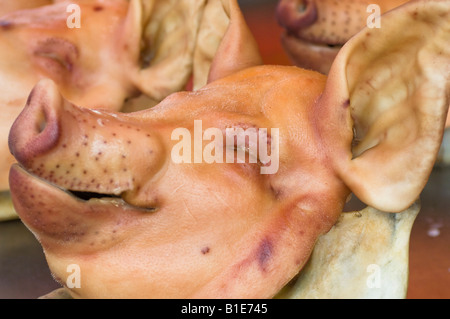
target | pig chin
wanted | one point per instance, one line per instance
(59, 219)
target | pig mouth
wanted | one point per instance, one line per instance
(23, 180)
(313, 44)
(310, 54)
(87, 196)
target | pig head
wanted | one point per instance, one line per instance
(315, 30)
(119, 52)
(106, 191)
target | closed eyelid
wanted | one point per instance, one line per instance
(251, 133)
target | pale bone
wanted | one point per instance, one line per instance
(365, 255)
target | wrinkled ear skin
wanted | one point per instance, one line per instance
(206, 39)
(390, 90)
(238, 49)
(169, 30)
(213, 26)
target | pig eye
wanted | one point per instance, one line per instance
(56, 55)
(244, 144)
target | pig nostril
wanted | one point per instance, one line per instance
(37, 128)
(301, 6)
(296, 14)
(41, 124)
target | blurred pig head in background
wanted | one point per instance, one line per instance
(102, 190)
(315, 30)
(100, 54)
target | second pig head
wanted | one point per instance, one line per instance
(315, 30)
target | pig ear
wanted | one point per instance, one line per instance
(167, 30)
(132, 29)
(213, 26)
(238, 49)
(394, 84)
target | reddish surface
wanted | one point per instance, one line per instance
(262, 22)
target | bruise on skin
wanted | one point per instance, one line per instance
(264, 253)
(346, 104)
(6, 25)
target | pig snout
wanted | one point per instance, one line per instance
(296, 14)
(36, 130)
(81, 149)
